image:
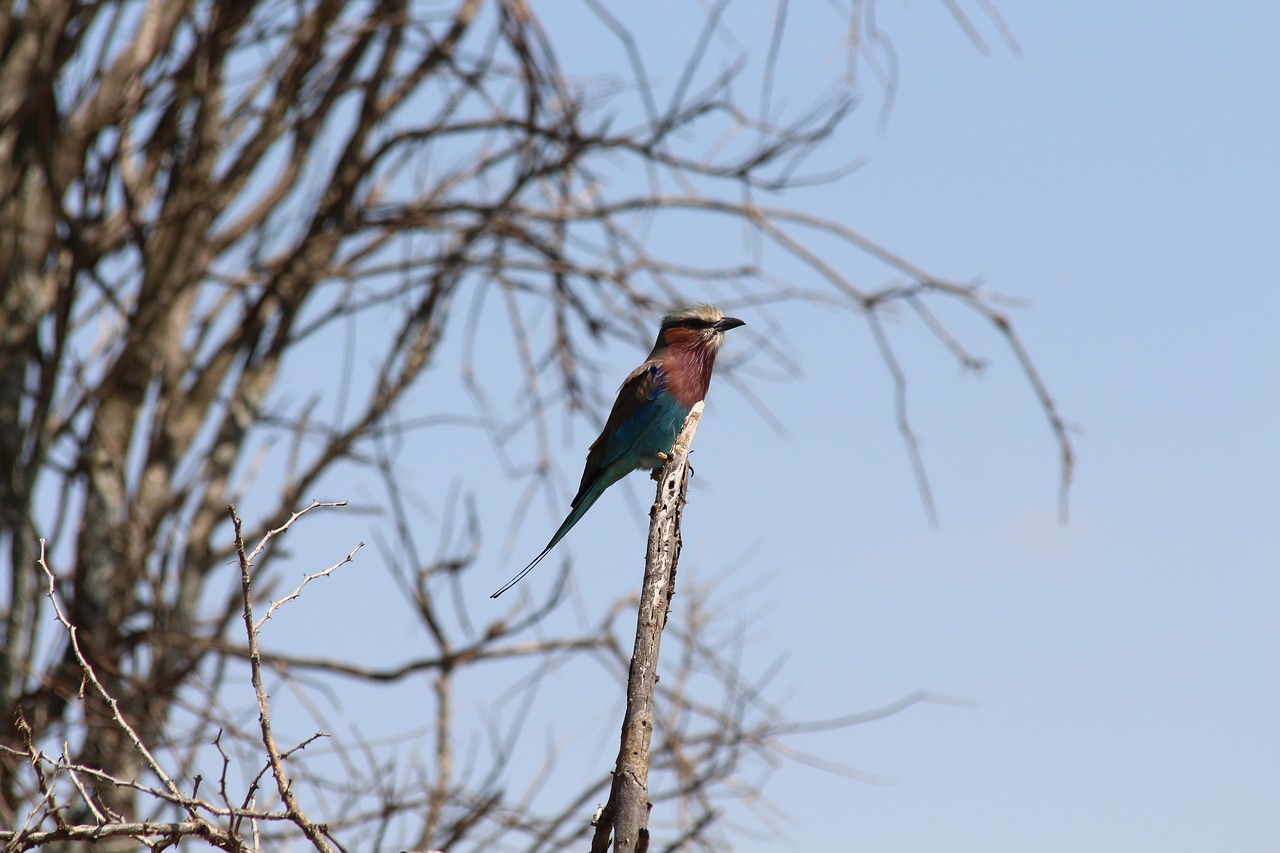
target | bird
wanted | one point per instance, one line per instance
(651, 407)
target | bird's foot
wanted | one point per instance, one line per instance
(662, 458)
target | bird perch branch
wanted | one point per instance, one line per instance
(627, 811)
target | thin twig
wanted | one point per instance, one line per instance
(306, 579)
(900, 408)
(313, 832)
(174, 795)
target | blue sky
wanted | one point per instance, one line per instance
(1119, 175)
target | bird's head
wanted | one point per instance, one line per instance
(698, 326)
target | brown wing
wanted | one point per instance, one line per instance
(619, 428)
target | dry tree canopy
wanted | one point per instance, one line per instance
(250, 246)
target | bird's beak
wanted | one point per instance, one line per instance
(729, 323)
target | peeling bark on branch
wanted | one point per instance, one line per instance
(627, 812)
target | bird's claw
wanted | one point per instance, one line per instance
(656, 473)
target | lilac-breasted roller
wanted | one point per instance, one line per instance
(652, 405)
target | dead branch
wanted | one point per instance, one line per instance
(626, 814)
(314, 833)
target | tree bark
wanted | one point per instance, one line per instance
(627, 812)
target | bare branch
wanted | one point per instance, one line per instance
(306, 579)
(174, 795)
(314, 833)
(626, 814)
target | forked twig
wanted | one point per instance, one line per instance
(315, 833)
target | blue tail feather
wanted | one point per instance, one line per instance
(573, 518)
